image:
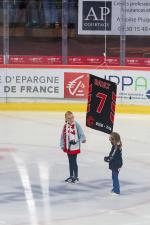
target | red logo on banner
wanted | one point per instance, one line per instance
(17, 59)
(90, 121)
(76, 60)
(75, 85)
(54, 60)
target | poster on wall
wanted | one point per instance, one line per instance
(100, 17)
(101, 104)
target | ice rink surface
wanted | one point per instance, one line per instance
(33, 170)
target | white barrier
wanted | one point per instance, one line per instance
(30, 84)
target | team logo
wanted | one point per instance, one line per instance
(76, 85)
(90, 121)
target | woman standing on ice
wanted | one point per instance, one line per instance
(71, 138)
(115, 160)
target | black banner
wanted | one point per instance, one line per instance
(101, 104)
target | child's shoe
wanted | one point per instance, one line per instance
(114, 193)
(69, 179)
(75, 180)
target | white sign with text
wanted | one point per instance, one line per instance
(99, 17)
(31, 83)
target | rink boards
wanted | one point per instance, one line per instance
(57, 88)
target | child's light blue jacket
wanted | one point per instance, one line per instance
(80, 133)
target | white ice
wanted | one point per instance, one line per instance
(33, 169)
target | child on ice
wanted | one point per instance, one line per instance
(115, 160)
(71, 138)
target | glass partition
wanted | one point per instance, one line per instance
(114, 32)
(35, 30)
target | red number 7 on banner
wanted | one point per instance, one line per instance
(101, 105)
(102, 102)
